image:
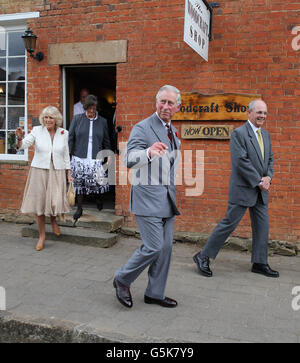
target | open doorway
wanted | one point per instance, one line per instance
(100, 80)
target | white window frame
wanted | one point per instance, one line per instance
(17, 22)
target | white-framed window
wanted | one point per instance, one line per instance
(13, 79)
(13, 83)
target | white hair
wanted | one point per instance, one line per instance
(53, 112)
(172, 89)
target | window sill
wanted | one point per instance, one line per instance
(14, 162)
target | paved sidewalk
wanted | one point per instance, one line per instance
(74, 283)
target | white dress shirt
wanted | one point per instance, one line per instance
(90, 145)
(78, 109)
(254, 128)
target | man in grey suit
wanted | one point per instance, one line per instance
(153, 154)
(250, 180)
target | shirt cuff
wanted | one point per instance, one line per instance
(148, 156)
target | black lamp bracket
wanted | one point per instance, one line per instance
(214, 5)
(210, 7)
(39, 56)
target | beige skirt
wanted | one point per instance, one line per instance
(45, 192)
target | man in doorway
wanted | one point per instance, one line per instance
(153, 199)
(250, 180)
(78, 107)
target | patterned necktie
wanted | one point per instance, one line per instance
(261, 143)
(169, 133)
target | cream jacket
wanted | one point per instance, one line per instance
(44, 148)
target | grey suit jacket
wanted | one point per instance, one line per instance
(248, 166)
(153, 190)
(79, 136)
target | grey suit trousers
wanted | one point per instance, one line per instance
(155, 252)
(260, 231)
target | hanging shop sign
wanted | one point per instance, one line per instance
(197, 26)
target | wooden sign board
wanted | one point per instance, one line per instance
(219, 132)
(218, 107)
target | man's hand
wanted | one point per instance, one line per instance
(265, 183)
(157, 149)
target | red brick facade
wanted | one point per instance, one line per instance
(251, 52)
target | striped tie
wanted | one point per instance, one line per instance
(261, 143)
(169, 133)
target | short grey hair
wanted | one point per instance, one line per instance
(53, 112)
(251, 105)
(172, 89)
(90, 100)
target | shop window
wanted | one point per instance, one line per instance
(13, 108)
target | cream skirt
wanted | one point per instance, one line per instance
(45, 192)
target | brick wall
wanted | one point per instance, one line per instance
(251, 52)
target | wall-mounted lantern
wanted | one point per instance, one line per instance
(30, 44)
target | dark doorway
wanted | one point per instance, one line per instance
(101, 82)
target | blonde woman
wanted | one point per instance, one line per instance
(45, 190)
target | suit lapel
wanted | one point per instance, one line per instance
(255, 143)
(266, 146)
(159, 130)
(175, 139)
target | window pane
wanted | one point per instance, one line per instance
(2, 118)
(16, 69)
(15, 117)
(2, 142)
(16, 94)
(2, 69)
(11, 142)
(2, 43)
(15, 44)
(12, 88)
(2, 93)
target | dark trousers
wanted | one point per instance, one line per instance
(260, 231)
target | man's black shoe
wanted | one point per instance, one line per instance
(266, 270)
(123, 293)
(202, 264)
(167, 302)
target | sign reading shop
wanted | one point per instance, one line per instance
(218, 107)
(197, 26)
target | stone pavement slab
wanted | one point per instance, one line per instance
(72, 284)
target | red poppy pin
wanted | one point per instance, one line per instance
(176, 133)
(62, 132)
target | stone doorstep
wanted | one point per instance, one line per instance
(105, 220)
(76, 235)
